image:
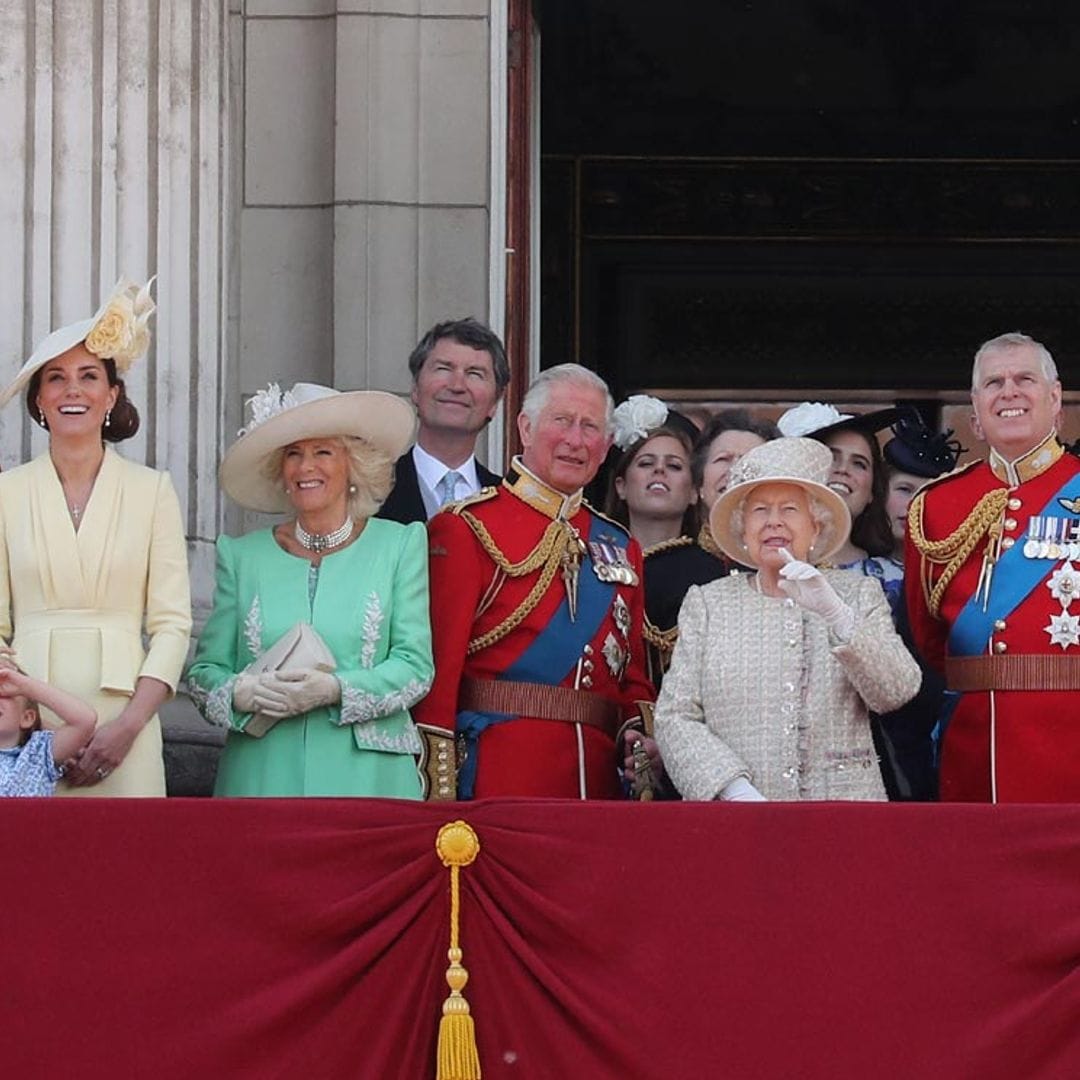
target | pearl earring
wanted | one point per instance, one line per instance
(108, 417)
(352, 489)
(41, 418)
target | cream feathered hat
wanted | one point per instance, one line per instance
(308, 411)
(117, 331)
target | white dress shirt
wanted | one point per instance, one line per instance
(430, 471)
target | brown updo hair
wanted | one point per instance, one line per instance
(124, 418)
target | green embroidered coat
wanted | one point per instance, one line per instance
(369, 603)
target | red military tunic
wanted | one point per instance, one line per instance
(1018, 745)
(472, 595)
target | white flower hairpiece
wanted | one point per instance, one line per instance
(121, 332)
(636, 417)
(267, 403)
(809, 417)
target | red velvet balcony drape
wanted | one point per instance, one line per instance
(178, 939)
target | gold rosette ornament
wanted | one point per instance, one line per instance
(457, 1057)
(121, 332)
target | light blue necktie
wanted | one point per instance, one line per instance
(447, 486)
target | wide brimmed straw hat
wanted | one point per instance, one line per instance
(117, 331)
(805, 462)
(309, 411)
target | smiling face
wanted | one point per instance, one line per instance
(569, 439)
(455, 390)
(725, 450)
(902, 488)
(1016, 405)
(775, 516)
(852, 473)
(315, 474)
(657, 483)
(74, 394)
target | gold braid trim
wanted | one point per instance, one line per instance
(667, 545)
(952, 551)
(662, 639)
(557, 540)
(707, 543)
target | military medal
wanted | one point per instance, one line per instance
(615, 656)
(611, 563)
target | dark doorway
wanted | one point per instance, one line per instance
(807, 195)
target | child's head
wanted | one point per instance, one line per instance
(19, 719)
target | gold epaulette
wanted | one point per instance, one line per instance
(482, 495)
(667, 545)
(603, 517)
(952, 551)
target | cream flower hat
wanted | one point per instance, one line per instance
(308, 411)
(800, 461)
(117, 331)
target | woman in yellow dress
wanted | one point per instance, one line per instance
(92, 550)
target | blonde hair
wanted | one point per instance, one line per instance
(370, 471)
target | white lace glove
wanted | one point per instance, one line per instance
(302, 690)
(256, 693)
(740, 790)
(806, 585)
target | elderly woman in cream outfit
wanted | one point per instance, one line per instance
(92, 550)
(774, 673)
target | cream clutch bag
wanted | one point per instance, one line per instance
(299, 647)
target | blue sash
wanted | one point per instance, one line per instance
(549, 659)
(1015, 578)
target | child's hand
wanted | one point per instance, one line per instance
(7, 656)
(12, 682)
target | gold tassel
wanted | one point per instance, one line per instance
(457, 1057)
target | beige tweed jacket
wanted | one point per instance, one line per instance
(759, 688)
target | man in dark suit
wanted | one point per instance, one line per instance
(460, 372)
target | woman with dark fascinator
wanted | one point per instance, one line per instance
(863, 475)
(914, 455)
(93, 551)
(858, 476)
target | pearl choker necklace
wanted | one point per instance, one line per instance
(320, 542)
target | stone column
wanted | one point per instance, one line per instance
(364, 137)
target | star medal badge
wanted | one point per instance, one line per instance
(615, 656)
(1064, 586)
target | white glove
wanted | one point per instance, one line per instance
(256, 693)
(806, 585)
(303, 690)
(740, 790)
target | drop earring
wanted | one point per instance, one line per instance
(108, 417)
(41, 418)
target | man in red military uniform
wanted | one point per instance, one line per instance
(992, 571)
(536, 612)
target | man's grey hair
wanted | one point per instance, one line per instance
(1014, 340)
(540, 390)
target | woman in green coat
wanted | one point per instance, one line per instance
(333, 717)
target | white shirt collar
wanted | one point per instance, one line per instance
(430, 470)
